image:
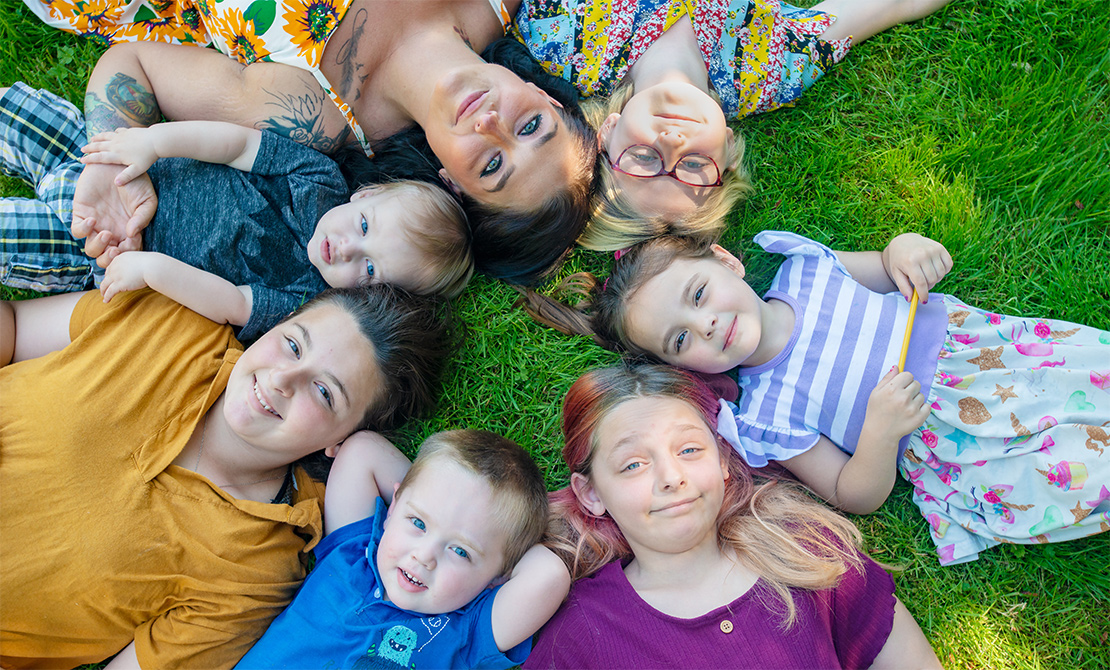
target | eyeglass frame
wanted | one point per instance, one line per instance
(662, 166)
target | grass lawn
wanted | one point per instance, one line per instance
(984, 126)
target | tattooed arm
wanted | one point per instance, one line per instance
(134, 84)
(137, 84)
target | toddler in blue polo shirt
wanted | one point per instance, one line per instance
(434, 568)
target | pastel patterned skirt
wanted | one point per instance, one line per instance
(1017, 448)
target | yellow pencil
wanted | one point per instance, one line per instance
(909, 329)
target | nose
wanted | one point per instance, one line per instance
(669, 474)
(489, 124)
(424, 554)
(671, 143)
(284, 379)
(709, 326)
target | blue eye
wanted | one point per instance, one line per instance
(532, 126)
(461, 552)
(324, 393)
(293, 347)
(679, 340)
(688, 450)
(418, 522)
(370, 269)
(697, 295)
(630, 466)
(493, 166)
(364, 226)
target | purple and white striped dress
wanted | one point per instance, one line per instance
(845, 339)
(1016, 447)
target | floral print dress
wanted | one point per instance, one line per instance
(761, 54)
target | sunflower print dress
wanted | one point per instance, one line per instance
(761, 54)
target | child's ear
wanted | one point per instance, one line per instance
(446, 179)
(606, 131)
(730, 143)
(731, 262)
(586, 494)
(364, 192)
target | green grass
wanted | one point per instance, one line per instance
(984, 126)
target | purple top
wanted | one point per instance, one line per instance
(845, 339)
(605, 624)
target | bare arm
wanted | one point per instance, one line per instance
(203, 292)
(208, 141)
(906, 647)
(36, 327)
(366, 466)
(861, 483)
(538, 585)
(908, 262)
(134, 84)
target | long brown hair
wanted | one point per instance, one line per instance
(771, 525)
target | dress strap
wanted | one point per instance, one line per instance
(503, 15)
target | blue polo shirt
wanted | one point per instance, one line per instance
(340, 618)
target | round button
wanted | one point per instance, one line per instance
(726, 626)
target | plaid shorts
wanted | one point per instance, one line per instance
(41, 136)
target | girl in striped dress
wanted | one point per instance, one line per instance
(1000, 423)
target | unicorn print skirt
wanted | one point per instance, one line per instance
(1017, 447)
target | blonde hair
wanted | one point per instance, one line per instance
(614, 221)
(516, 482)
(772, 526)
(438, 229)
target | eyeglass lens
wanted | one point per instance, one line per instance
(641, 160)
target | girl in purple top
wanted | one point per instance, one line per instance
(1006, 442)
(692, 564)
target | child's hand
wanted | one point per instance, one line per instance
(126, 272)
(111, 217)
(896, 407)
(132, 147)
(913, 261)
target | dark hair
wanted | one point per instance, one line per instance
(411, 336)
(516, 482)
(520, 246)
(600, 312)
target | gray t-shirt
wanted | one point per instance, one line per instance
(251, 228)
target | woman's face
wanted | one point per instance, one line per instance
(675, 119)
(304, 385)
(658, 473)
(501, 140)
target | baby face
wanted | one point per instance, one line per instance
(364, 241)
(442, 545)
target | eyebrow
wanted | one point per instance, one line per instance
(508, 173)
(334, 380)
(685, 292)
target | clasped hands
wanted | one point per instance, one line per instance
(111, 215)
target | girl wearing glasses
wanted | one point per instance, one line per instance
(672, 70)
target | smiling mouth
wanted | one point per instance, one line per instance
(258, 395)
(325, 251)
(413, 580)
(674, 505)
(731, 333)
(470, 104)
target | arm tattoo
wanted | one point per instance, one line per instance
(347, 58)
(301, 120)
(128, 104)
